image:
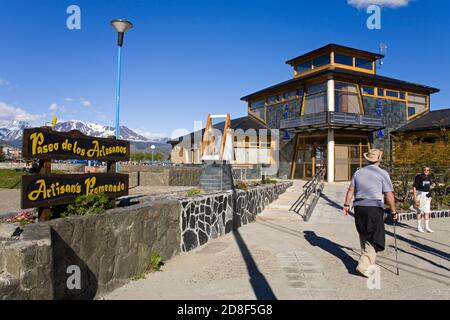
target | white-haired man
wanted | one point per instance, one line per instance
(370, 185)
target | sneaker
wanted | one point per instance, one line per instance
(419, 228)
(429, 230)
(364, 273)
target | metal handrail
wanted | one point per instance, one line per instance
(312, 187)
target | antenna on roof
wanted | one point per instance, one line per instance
(383, 50)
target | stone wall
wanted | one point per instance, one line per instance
(113, 247)
(209, 216)
(55, 166)
(162, 176)
(108, 248)
(394, 115)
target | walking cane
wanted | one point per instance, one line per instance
(396, 251)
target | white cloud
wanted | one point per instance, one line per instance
(151, 135)
(68, 99)
(4, 83)
(10, 113)
(55, 107)
(85, 102)
(382, 3)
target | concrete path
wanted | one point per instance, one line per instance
(282, 257)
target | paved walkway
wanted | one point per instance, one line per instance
(282, 257)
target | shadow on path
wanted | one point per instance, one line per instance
(260, 286)
(422, 258)
(422, 247)
(333, 249)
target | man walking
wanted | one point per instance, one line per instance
(370, 185)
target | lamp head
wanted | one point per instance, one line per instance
(121, 25)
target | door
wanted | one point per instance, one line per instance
(341, 168)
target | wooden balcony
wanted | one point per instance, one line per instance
(334, 120)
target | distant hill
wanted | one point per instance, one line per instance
(12, 135)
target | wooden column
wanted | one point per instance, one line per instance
(44, 213)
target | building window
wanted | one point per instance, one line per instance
(416, 104)
(258, 109)
(402, 95)
(273, 99)
(290, 94)
(363, 63)
(368, 90)
(346, 98)
(316, 98)
(392, 94)
(305, 66)
(380, 92)
(321, 61)
(343, 59)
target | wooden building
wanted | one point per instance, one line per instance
(333, 109)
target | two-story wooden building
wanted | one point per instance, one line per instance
(333, 110)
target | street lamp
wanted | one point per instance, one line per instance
(121, 26)
(153, 148)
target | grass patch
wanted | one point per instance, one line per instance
(12, 179)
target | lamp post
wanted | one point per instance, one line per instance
(153, 148)
(121, 26)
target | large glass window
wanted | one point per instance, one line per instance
(416, 104)
(363, 63)
(316, 98)
(346, 98)
(258, 109)
(321, 61)
(343, 59)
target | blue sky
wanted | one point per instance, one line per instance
(185, 59)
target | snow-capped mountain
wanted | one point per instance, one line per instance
(12, 133)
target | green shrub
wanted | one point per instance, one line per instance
(87, 204)
(269, 181)
(193, 192)
(155, 262)
(241, 185)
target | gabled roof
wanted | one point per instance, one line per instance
(333, 46)
(243, 123)
(374, 78)
(432, 120)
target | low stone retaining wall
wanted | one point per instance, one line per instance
(210, 216)
(162, 176)
(406, 216)
(55, 166)
(111, 248)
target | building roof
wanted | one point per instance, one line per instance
(333, 46)
(243, 123)
(374, 78)
(432, 120)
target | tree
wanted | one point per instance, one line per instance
(2, 155)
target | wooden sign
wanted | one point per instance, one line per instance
(44, 143)
(54, 189)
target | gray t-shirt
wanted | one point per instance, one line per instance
(370, 183)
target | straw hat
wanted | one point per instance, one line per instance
(373, 155)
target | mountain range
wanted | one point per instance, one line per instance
(12, 134)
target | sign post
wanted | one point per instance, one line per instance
(44, 190)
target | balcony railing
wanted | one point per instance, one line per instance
(331, 119)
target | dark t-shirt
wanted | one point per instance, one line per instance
(422, 183)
